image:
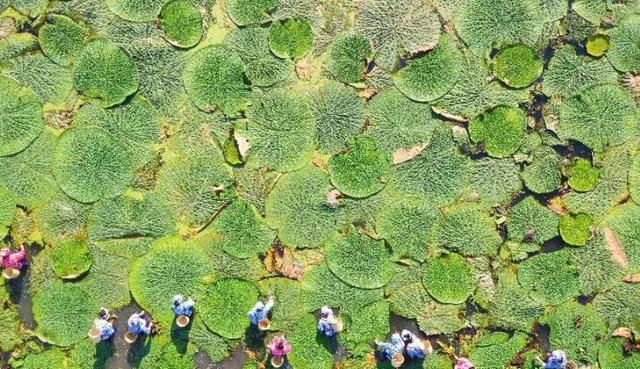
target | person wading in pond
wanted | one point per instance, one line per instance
(183, 309)
(279, 348)
(416, 348)
(392, 351)
(259, 315)
(328, 324)
(12, 262)
(137, 325)
(103, 328)
(463, 363)
(556, 360)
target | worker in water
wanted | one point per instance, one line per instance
(392, 351)
(259, 315)
(103, 328)
(279, 348)
(556, 360)
(183, 309)
(329, 324)
(137, 325)
(463, 363)
(416, 348)
(12, 262)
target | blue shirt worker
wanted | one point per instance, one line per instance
(388, 349)
(260, 312)
(557, 360)
(328, 323)
(416, 348)
(137, 324)
(105, 328)
(182, 306)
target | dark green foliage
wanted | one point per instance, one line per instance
(597, 269)
(17, 44)
(171, 267)
(361, 170)
(225, 306)
(512, 308)
(50, 81)
(584, 177)
(21, 118)
(614, 355)
(64, 313)
(366, 325)
(530, 221)
(291, 38)
(617, 307)
(71, 259)
(61, 39)
(501, 130)
(494, 181)
(624, 53)
(105, 72)
(348, 57)
(182, 23)
(339, 114)
(449, 279)
(428, 77)
(244, 232)
(214, 78)
(550, 277)
(496, 350)
(312, 350)
(359, 260)
(543, 174)
(518, 65)
(245, 12)
(577, 329)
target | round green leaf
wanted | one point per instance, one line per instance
(105, 72)
(501, 130)
(584, 176)
(71, 259)
(182, 23)
(348, 57)
(624, 52)
(550, 277)
(308, 350)
(136, 10)
(518, 65)
(291, 38)
(449, 279)
(529, 221)
(21, 119)
(61, 39)
(64, 313)
(575, 230)
(360, 261)
(245, 12)
(225, 306)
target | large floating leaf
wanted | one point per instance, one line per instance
(225, 306)
(21, 119)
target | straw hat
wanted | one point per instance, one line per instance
(183, 321)
(264, 324)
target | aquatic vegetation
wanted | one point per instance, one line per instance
(466, 169)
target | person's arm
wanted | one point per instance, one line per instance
(269, 304)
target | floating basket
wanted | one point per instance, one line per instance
(130, 337)
(397, 360)
(338, 326)
(264, 324)
(10, 273)
(277, 361)
(94, 336)
(183, 321)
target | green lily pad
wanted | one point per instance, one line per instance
(512, 308)
(225, 306)
(575, 230)
(468, 230)
(392, 26)
(614, 355)
(543, 174)
(71, 259)
(136, 10)
(339, 114)
(584, 177)
(52, 83)
(532, 222)
(243, 230)
(366, 325)
(348, 57)
(214, 78)
(395, 122)
(291, 38)
(500, 130)
(89, 164)
(311, 351)
(360, 261)
(245, 12)
(428, 77)
(577, 329)
(361, 170)
(622, 223)
(106, 72)
(601, 116)
(171, 267)
(182, 23)
(624, 52)
(449, 279)
(617, 307)
(17, 44)
(280, 130)
(64, 313)
(21, 119)
(634, 179)
(499, 353)
(518, 65)
(597, 45)
(597, 269)
(485, 23)
(406, 224)
(61, 39)
(550, 277)
(569, 73)
(7, 210)
(494, 181)
(297, 208)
